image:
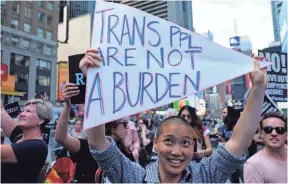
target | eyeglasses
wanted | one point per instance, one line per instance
(269, 129)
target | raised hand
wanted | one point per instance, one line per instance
(91, 59)
(70, 90)
(259, 77)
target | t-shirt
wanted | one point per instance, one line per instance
(263, 169)
(31, 156)
(86, 166)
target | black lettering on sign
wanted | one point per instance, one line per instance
(277, 75)
(13, 109)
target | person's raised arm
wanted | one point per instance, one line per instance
(248, 122)
(7, 123)
(72, 144)
(117, 167)
(96, 136)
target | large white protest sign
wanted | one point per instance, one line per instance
(149, 62)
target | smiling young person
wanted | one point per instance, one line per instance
(175, 147)
(23, 160)
(273, 158)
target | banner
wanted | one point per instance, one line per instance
(77, 77)
(268, 103)
(63, 77)
(13, 109)
(277, 75)
(148, 62)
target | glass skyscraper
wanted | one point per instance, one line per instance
(276, 7)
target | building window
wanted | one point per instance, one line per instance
(27, 28)
(40, 47)
(25, 44)
(184, 6)
(43, 80)
(41, 3)
(41, 17)
(50, 6)
(14, 23)
(21, 77)
(2, 20)
(19, 60)
(3, 3)
(15, 7)
(43, 65)
(43, 95)
(49, 21)
(47, 50)
(28, 12)
(49, 35)
(40, 33)
(14, 41)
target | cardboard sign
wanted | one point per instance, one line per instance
(13, 109)
(76, 77)
(277, 75)
(148, 62)
(268, 103)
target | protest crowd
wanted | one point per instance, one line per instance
(179, 146)
(136, 149)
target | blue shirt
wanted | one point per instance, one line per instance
(215, 169)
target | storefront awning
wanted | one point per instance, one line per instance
(12, 93)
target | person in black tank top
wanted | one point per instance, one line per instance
(78, 148)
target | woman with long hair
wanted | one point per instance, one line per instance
(118, 130)
(204, 147)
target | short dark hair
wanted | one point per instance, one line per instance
(273, 115)
(172, 120)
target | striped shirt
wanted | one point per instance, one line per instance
(119, 169)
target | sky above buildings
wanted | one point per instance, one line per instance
(253, 17)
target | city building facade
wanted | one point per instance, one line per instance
(29, 47)
(283, 26)
(178, 12)
(238, 86)
(276, 8)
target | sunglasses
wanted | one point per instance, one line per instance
(269, 129)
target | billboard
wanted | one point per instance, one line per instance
(63, 78)
(235, 41)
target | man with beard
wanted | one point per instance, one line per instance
(270, 164)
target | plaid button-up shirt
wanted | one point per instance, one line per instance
(119, 169)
